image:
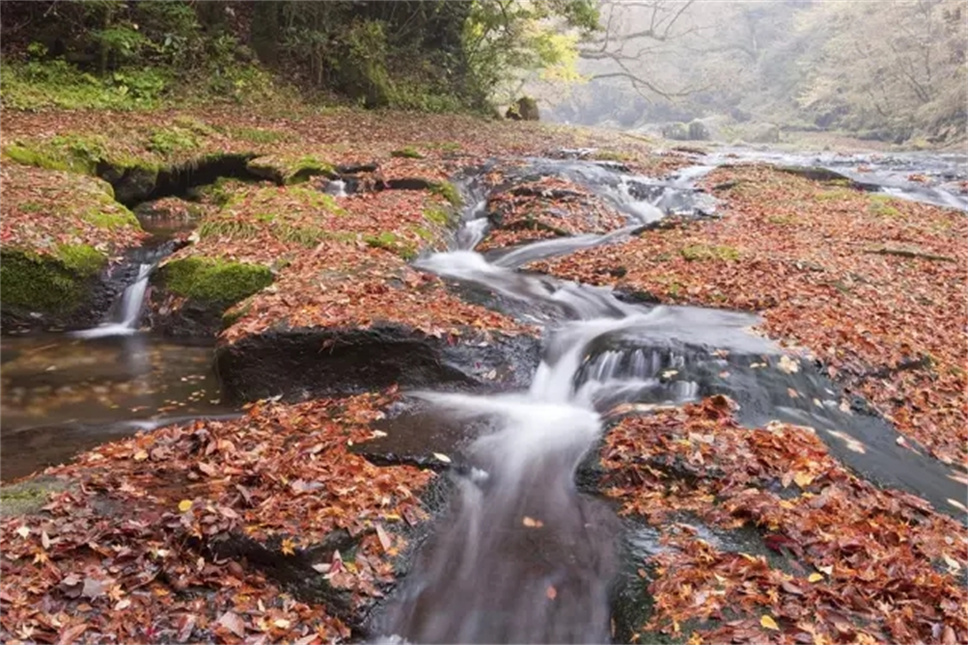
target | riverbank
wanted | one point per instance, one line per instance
(310, 262)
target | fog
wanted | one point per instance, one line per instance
(771, 71)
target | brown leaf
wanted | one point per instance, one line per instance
(385, 540)
(92, 588)
(70, 634)
(231, 621)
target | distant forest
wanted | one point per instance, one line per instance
(885, 70)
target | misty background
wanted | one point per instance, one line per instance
(770, 72)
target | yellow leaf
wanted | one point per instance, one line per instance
(532, 523)
(184, 505)
(815, 577)
(288, 547)
(803, 479)
(829, 569)
(769, 623)
(141, 455)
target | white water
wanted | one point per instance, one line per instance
(480, 579)
(127, 311)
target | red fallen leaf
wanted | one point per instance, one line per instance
(551, 592)
(777, 541)
(791, 588)
(231, 621)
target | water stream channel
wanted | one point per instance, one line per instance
(482, 574)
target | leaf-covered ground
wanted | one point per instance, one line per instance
(862, 565)
(147, 543)
(43, 210)
(874, 287)
(269, 529)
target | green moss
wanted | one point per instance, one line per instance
(834, 194)
(782, 220)
(407, 152)
(391, 242)
(883, 206)
(256, 135)
(613, 155)
(214, 281)
(284, 170)
(113, 218)
(81, 258)
(174, 139)
(219, 193)
(195, 125)
(701, 252)
(28, 497)
(55, 283)
(34, 157)
(226, 227)
(448, 191)
(438, 216)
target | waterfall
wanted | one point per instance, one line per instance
(126, 312)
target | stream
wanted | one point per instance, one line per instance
(517, 530)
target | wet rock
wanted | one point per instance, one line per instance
(192, 294)
(28, 497)
(43, 292)
(307, 362)
(294, 570)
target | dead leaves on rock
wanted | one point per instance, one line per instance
(131, 553)
(863, 563)
(799, 259)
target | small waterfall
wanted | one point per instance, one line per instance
(126, 312)
(523, 556)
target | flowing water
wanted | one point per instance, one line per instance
(521, 555)
(64, 393)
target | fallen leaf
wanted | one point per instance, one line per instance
(532, 523)
(803, 479)
(551, 592)
(815, 577)
(768, 622)
(442, 457)
(70, 634)
(92, 588)
(141, 455)
(185, 505)
(381, 535)
(232, 622)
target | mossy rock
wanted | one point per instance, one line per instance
(524, 109)
(53, 284)
(284, 170)
(30, 496)
(214, 282)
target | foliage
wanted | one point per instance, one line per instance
(434, 56)
(505, 39)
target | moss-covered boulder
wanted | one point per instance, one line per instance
(524, 109)
(289, 169)
(53, 290)
(194, 292)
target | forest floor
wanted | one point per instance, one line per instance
(273, 528)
